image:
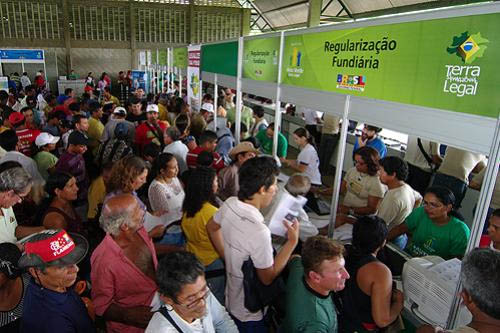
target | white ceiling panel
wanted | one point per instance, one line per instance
(333, 8)
(266, 5)
(292, 15)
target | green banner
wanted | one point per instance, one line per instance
(260, 59)
(220, 58)
(449, 64)
(162, 57)
(180, 57)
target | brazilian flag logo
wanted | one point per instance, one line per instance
(468, 47)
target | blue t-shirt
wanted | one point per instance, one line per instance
(50, 311)
(375, 143)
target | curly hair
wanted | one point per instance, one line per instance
(371, 157)
(124, 172)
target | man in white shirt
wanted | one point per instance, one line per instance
(174, 146)
(400, 199)
(238, 233)
(189, 306)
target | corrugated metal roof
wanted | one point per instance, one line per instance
(293, 13)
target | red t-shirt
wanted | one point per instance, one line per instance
(146, 133)
(26, 138)
(192, 156)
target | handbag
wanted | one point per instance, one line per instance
(256, 294)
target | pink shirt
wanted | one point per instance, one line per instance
(116, 279)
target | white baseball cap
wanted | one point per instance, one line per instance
(208, 107)
(45, 138)
(152, 108)
(120, 110)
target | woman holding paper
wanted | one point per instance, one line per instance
(199, 207)
(166, 196)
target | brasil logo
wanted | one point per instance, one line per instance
(468, 47)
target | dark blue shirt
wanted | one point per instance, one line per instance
(50, 311)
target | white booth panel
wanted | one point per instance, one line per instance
(318, 100)
(469, 132)
(226, 81)
(208, 77)
(259, 88)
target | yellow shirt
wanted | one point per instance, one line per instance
(196, 233)
(97, 192)
(162, 112)
(95, 132)
(112, 99)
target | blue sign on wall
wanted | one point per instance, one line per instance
(21, 54)
(140, 80)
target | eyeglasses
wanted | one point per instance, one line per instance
(197, 301)
(431, 205)
(19, 196)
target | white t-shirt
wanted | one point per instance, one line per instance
(179, 150)
(360, 186)
(8, 225)
(167, 197)
(245, 236)
(414, 155)
(397, 204)
(308, 156)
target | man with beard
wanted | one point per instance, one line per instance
(189, 304)
(370, 138)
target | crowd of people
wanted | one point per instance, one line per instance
(148, 217)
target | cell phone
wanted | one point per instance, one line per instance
(290, 217)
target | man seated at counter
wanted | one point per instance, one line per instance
(400, 199)
(480, 292)
(369, 138)
(265, 140)
(436, 228)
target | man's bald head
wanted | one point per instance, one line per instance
(117, 211)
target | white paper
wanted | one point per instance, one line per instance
(287, 205)
(151, 221)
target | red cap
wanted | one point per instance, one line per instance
(53, 248)
(16, 118)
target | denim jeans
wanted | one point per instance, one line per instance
(251, 326)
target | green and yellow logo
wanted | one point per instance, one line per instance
(468, 47)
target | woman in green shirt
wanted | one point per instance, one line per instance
(435, 228)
